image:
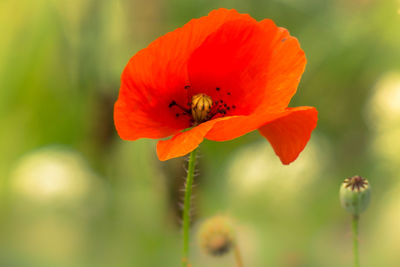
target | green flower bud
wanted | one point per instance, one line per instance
(355, 195)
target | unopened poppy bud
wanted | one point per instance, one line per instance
(201, 106)
(355, 194)
(216, 236)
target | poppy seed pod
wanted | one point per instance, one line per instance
(355, 195)
(201, 106)
(216, 236)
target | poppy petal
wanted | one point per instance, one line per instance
(286, 65)
(133, 123)
(278, 77)
(231, 64)
(157, 75)
(236, 126)
(289, 134)
(184, 142)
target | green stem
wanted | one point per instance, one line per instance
(355, 241)
(186, 208)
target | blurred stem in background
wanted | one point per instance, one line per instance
(186, 207)
(238, 256)
(355, 241)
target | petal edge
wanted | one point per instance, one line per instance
(184, 142)
(289, 135)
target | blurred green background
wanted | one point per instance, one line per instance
(73, 194)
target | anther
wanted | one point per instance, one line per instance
(173, 103)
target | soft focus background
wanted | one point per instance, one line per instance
(73, 194)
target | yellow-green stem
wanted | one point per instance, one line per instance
(355, 241)
(186, 208)
(238, 257)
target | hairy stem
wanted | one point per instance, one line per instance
(186, 208)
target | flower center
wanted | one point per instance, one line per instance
(201, 107)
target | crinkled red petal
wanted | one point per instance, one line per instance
(230, 65)
(157, 75)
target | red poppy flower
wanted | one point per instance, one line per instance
(218, 77)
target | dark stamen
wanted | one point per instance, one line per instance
(173, 103)
(217, 88)
(228, 93)
(187, 87)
